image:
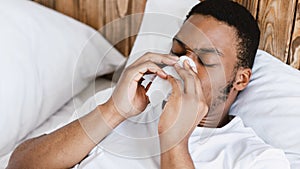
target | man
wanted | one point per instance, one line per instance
(221, 37)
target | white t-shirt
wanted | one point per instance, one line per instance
(135, 144)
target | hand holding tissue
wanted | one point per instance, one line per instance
(161, 89)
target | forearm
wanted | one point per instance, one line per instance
(67, 146)
(177, 157)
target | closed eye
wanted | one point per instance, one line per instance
(205, 64)
(180, 49)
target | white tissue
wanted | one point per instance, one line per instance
(161, 89)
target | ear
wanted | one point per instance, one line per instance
(242, 79)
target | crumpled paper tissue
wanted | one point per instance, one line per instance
(160, 89)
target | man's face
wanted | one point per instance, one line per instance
(213, 47)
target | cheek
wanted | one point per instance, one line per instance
(230, 71)
(212, 80)
(203, 75)
(207, 90)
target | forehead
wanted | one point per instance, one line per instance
(206, 32)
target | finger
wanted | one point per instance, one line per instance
(191, 70)
(138, 71)
(187, 66)
(158, 59)
(198, 85)
(188, 78)
(176, 86)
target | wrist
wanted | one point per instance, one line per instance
(171, 142)
(110, 115)
(100, 122)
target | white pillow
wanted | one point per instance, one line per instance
(161, 21)
(271, 105)
(46, 58)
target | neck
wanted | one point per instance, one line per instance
(219, 115)
(226, 117)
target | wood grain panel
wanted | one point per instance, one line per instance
(275, 18)
(252, 5)
(91, 12)
(122, 6)
(117, 28)
(110, 17)
(48, 3)
(123, 22)
(294, 58)
(68, 7)
(137, 10)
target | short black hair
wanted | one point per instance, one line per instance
(237, 16)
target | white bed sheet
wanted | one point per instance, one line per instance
(65, 114)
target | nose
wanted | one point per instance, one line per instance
(193, 57)
(190, 54)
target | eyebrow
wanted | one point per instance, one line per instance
(208, 51)
(201, 50)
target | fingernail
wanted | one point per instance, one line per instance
(164, 75)
(174, 57)
(173, 61)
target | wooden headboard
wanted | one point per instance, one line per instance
(279, 21)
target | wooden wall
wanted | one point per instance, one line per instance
(111, 17)
(279, 21)
(294, 52)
